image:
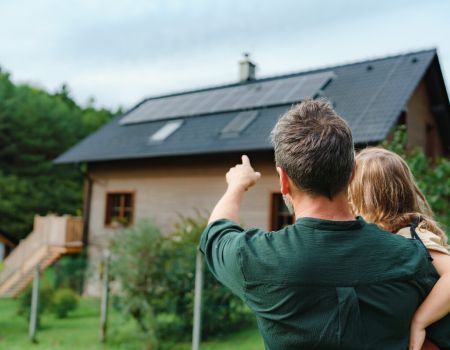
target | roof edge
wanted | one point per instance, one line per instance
(288, 75)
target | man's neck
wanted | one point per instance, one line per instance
(323, 208)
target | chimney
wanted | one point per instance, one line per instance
(246, 69)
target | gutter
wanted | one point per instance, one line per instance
(87, 207)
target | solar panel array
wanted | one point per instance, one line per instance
(239, 97)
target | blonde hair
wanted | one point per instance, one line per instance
(384, 192)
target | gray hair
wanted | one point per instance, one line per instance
(314, 146)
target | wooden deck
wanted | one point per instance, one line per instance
(52, 237)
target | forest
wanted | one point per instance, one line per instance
(36, 127)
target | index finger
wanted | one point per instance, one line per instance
(245, 160)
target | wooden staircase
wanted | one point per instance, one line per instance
(52, 237)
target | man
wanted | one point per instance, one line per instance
(329, 281)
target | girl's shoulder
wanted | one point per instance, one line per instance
(429, 239)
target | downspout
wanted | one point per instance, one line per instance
(86, 205)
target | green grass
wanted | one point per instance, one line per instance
(248, 339)
(81, 331)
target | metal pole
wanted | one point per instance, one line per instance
(199, 272)
(105, 298)
(34, 315)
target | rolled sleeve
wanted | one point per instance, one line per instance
(221, 243)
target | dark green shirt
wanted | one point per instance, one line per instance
(322, 284)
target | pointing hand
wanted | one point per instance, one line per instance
(242, 176)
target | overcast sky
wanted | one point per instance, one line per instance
(121, 51)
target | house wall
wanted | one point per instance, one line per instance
(167, 187)
(418, 117)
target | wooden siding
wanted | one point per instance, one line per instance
(167, 188)
(418, 117)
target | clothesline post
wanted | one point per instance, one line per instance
(196, 330)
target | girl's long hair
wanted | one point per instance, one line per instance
(384, 192)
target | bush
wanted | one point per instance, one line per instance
(222, 310)
(137, 263)
(59, 301)
(432, 175)
(156, 275)
(45, 300)
(64, 301)
(70, 270)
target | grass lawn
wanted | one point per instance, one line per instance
(81, 331)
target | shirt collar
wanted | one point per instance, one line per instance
(332, 225)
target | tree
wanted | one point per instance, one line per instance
(35, 128)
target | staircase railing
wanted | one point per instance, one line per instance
(51, 230)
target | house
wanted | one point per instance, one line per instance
(168, 155)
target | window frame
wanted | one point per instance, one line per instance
(431, 135)
(275, 212)
(107, 218)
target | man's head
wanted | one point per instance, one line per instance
(314, 147)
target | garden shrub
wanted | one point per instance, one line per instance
(157, 277)
(45, 300)
(432, 175)
(59, 301)
(222, 310)
(64, 301)
(69, 271)
(137, 260)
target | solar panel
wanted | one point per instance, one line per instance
(251, 97)
(229, 99)
(206, 103)
(179, 104)
(278, 94)
(238, 124)
(163, 133)
(234, 98)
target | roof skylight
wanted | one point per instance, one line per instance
(238, 124)
(164, 132)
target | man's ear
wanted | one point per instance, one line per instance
(284, 181)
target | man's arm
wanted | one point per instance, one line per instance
(437, 303)
(239, 179)
(221, 240)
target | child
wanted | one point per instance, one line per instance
(384, 192)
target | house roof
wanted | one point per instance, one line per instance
(369, 95)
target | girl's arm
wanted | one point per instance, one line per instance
(437, 303)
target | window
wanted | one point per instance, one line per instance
(238, 124)
(164, 132)
(119, 209)
(280, 215)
